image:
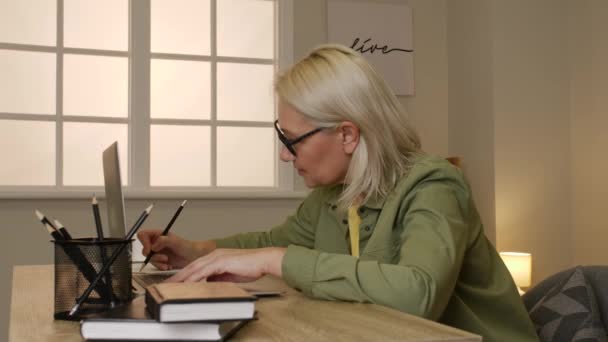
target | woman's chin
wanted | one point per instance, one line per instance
(309, 182)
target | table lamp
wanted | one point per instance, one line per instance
(520, 267)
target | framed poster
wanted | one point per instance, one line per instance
(381, 32)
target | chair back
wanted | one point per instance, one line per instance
(596, 275)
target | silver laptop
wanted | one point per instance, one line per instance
(114, 199)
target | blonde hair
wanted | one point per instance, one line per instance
(335, 84)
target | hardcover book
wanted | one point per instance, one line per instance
(201, 301)
(132, 322)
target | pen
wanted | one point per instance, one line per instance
(113, 258)
(102, 250)
(165, 232)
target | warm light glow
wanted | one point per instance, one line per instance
(520, 266)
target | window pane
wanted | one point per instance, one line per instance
(83, 145)
(28, 22)
(180, 89)
(244, 92)
(27, 149)
(95, 85)
(96, 24)
(245, 156)
(27, 82)
(245, 28)
(180, 155)
(181, 26)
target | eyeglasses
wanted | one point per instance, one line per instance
(289, 143)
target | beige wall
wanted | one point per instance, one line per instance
(531, 131)
(471, 111)
(428, 108)
(527, 111)
(589, 129)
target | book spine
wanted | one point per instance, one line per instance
(152, 306)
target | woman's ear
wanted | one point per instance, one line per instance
(349, 132)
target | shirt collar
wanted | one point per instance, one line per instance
(374, 202)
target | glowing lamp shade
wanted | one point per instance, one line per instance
(520, 267)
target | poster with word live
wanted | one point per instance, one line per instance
(382, 32)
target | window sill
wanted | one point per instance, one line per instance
(156, 194)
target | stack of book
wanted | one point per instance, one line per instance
(205, 311)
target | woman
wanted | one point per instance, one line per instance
(421, 242)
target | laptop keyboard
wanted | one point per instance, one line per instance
(147, 279)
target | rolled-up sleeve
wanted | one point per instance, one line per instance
(298, 229)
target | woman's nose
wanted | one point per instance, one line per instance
(285, 155)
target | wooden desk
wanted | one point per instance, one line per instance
(292, 317)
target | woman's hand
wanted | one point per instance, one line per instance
(239, 265)
(172, 251)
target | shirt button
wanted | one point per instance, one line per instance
(345, 221)
(367, 228)
(333, 207)
(361, 210)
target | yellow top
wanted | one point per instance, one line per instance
(354, 221)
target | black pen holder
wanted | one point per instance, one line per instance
(77, 264)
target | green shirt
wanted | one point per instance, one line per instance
(423, 251)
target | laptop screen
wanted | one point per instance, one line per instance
(114, 198)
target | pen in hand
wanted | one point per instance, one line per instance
(113, 258)
(165, 232)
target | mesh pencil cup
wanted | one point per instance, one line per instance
(77, 264)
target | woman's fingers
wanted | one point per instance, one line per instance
(147, 237)
(194, 270)
(242, 265)
(160, 258)
(161, 243)
(202, 272)
(160, 261)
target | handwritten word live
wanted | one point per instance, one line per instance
(363, 48)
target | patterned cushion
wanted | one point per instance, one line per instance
(569, 312)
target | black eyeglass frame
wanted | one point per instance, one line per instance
(290, 142)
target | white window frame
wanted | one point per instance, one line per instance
(139, 121)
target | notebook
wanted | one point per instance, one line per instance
(201, 301)
(145, 279)
(133, 322)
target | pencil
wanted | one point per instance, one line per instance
(113, 258)
(62, 230)
(97, 218)
(102, 249)
(165, 232)
(54, 233)
(44, 220)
